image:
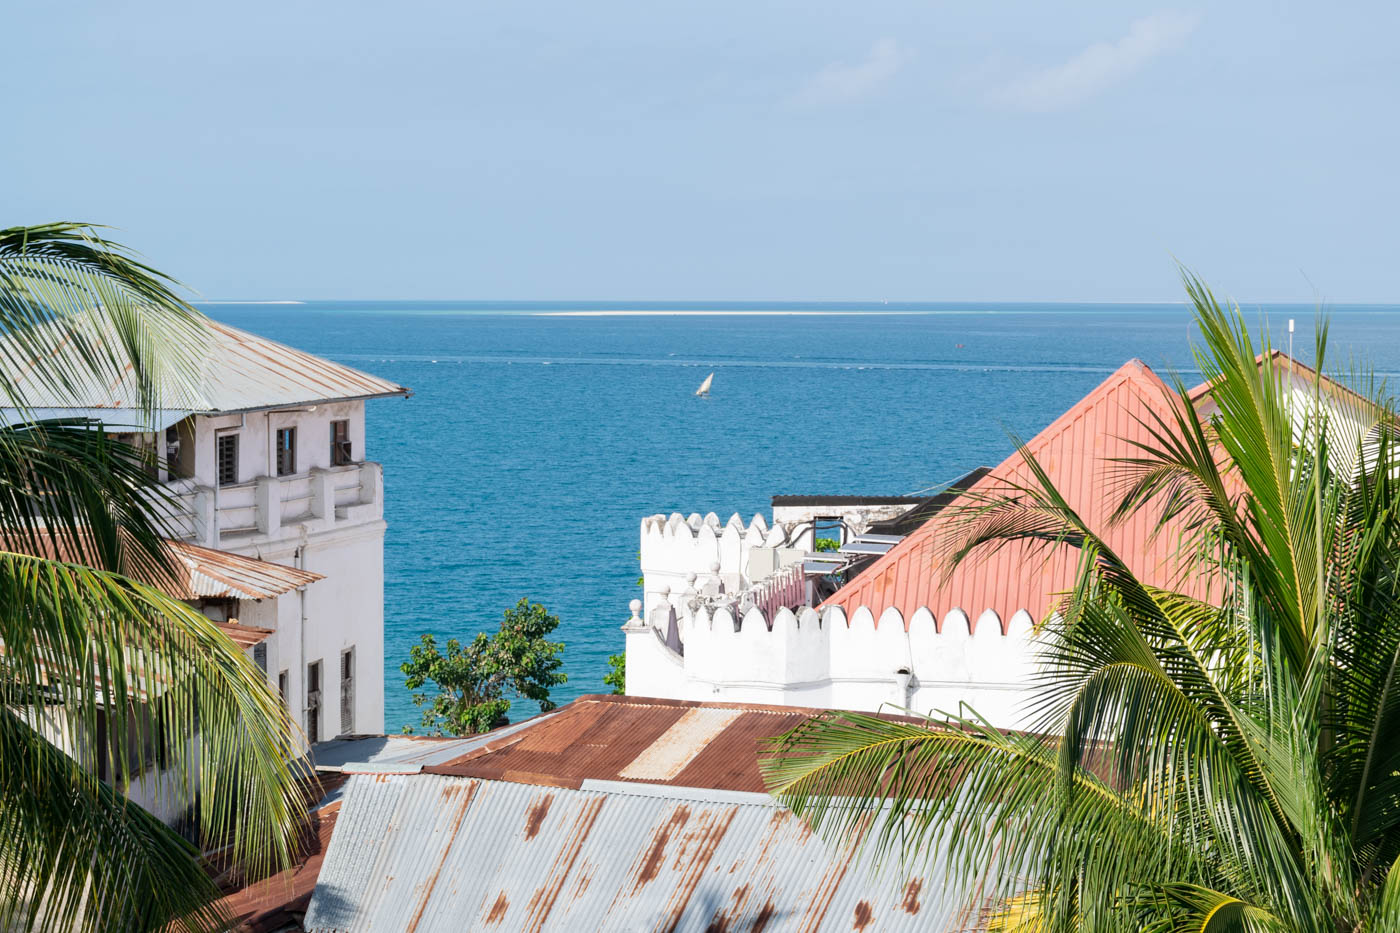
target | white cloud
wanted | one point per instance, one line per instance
(1099, 66)
(840, 83)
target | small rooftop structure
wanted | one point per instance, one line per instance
(614, 813)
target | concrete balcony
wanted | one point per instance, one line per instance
(270, 506)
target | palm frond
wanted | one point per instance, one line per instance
(82, 314)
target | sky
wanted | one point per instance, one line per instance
(727, 150)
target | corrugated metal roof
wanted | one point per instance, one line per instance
(238, 371)
(212, 574)
(605, 737)
(399, 754)
(244, 636)
(1077, 451)
(439, 853)
(798, 500)
(200, 572)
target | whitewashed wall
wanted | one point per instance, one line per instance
(827, 660)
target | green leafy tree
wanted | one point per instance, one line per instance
(616, 677)
(1221, 765)
(470, 684)
(827, 544)
(87, 649)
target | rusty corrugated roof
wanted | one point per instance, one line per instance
(211, 574)
(237, 371)
(244, 636)
(1077, 451)
(199, 572)
(427, 853)
(276, 903)
(612, 813)
(623, 738)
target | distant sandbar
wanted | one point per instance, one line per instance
(713, 313)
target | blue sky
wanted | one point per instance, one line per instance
(727, 150)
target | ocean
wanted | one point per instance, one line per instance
(539, 434)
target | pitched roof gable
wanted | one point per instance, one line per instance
(1076, 450)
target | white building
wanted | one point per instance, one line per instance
(754, 614)
(280, 511)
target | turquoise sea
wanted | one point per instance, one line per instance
(535, 443)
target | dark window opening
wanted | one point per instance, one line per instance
(286, 451)
(341, 453)
(282, 685)
(226, 455)
(347, 691)
(260, 655)
(179, 451)
(313, 702)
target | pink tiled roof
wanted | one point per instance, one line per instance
(1077, 451)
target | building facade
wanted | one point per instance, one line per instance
(266, 458)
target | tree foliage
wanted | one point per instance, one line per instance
(1220, 764)
(472, 684)
(616, 677)
(88, 652)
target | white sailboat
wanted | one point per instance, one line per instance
(704, 389)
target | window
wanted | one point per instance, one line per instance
(347, 691)
(340, 443)
(282, 686)
(313, 702)
(286, 451)
(175, 461)
(260, 655)
(226, 458)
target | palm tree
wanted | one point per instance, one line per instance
(93, 660)
(1230, 763)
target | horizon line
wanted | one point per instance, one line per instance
(667, 304)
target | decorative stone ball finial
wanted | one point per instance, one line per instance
(714, 567)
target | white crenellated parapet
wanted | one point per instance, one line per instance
(701, 553)
(834, 661)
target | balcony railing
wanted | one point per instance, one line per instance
(321, 498)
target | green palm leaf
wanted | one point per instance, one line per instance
(1226, 761)
(102, 674)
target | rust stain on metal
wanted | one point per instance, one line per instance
(466, 793)
(538, 811)
(911, 903)
(760, 923)
(656, 853)
(707, 839)
(863, 915)
(542, 902)
(498, 909)
(719, 923)
(831, 881)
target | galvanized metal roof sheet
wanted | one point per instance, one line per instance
(238, 371)
(440, 853)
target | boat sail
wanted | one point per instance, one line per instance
(705, 386)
